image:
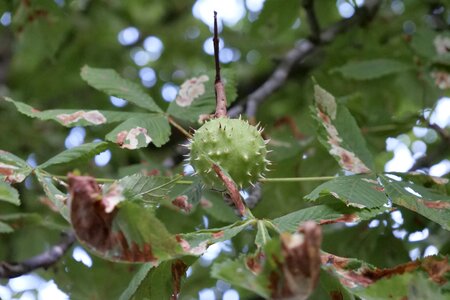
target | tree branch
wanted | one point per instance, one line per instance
(221, 99)
(299, 53)
(438, 153)
(43, 260)
(313, 23)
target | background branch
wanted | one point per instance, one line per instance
(298, 54)
(436, 154)
(313, 23)
(43, 260)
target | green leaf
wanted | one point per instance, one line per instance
(237, 273)
(411, 286)
(333, 287)
(138, 132)
(362, 191)
(73, 117)
(197, 242)
(276, 19)
(58, 198)
(12, 168)
(157, 282)
(328, 213)
(424, 201)
(83, 152)
(262, 235)
(5, 228)
(371, 69)
(340, 134)
(111, 83)
(212, 203)
(119, 228)
(197, 96)
(151, 189)
(422, 42)
(8, 193)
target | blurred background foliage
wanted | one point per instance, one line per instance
(160, 44)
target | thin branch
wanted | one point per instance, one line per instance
(43, 260)
(179, 127)
(438, 153)
(313, 22)
(221, 99)
(298, 54)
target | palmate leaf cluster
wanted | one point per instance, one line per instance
(146, 225)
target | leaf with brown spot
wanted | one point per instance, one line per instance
(58, 198)
(161, 282)
(325, 214)
(94, 117)
(140, 131)
(361, 191)
(340, 134)
(355, 274)
(288, 268)
(12, 168)
(427, 202)
(196, 98)
(73, 117)
(128, 232)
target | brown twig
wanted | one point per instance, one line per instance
(232, 189)
(43, 260)
(221, 99)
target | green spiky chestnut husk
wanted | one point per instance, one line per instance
(235, 145)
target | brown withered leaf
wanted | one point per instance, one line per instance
(127, 233)
(88, 214)
(298, 273)
(353, 273)
(178, 271)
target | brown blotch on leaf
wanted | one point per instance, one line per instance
(92, 222)
(182, 203)
(254, 262)
(205, 203)
(435, 204)
(435, 267)
(218, 234)
(344, 219)
(299, 270)
(178, 270)
(336, 295)
(87, 212)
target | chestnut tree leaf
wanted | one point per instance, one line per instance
(361, 191)
(139, 132)
(196, 96)
(74, 117)
(111, 83)
(371, 69)
(82, 152)
(340, 134)
(9, 194)
(13, 169)
(424, 201)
